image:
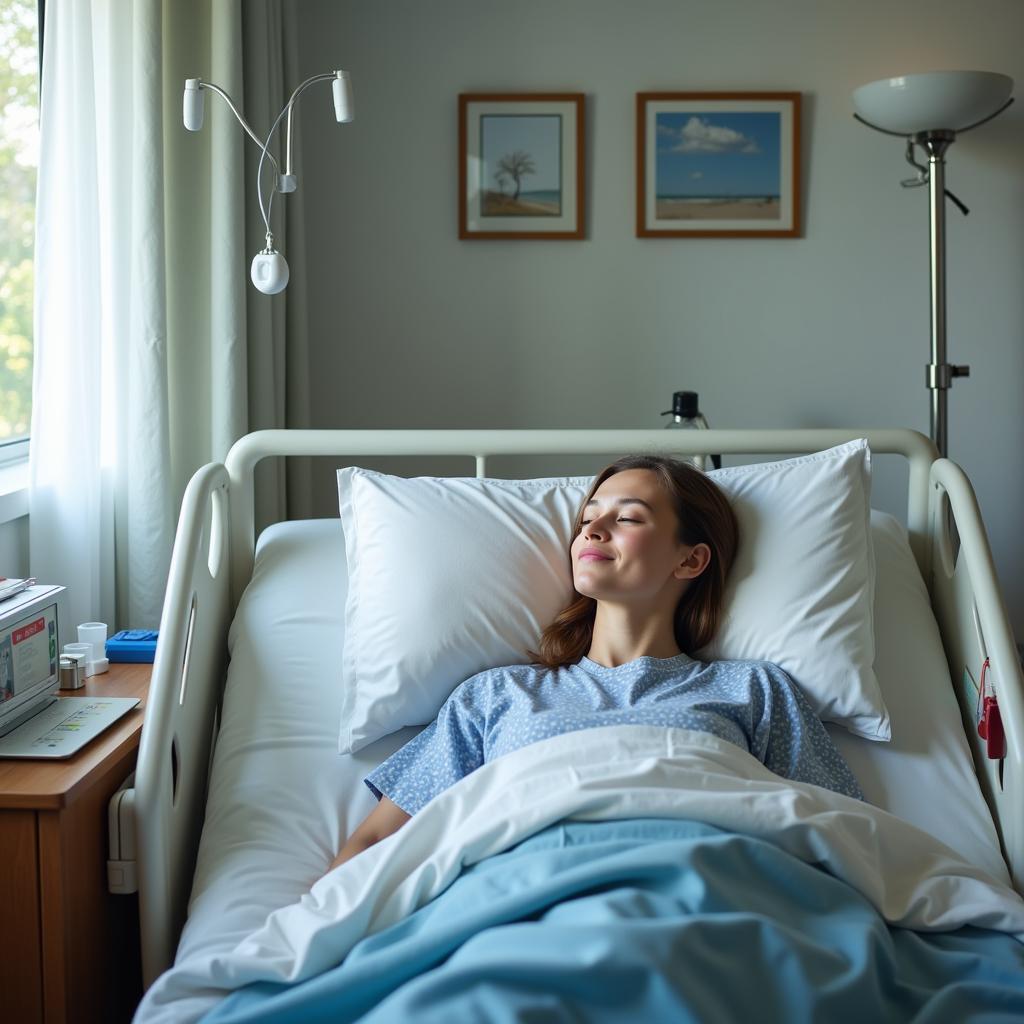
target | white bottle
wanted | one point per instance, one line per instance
(686, 415)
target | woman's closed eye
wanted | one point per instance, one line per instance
(621, 519)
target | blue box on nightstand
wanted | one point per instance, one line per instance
(132, 645)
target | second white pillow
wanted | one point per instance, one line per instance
(801, 591)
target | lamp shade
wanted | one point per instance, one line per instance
(932, 101)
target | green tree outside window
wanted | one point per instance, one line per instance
(19, 144)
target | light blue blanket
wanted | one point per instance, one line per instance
(651, 920)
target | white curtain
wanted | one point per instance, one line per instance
(140, 351)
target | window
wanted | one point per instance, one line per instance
(19, 158)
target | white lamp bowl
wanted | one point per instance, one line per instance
(932, 101)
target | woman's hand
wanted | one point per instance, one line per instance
(385, 819)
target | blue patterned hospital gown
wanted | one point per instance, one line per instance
(753, 704)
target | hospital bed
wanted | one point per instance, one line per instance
(257, 759)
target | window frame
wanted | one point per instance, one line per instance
(15, 450)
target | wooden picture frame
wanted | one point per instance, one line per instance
(521, 164)
(718, 165)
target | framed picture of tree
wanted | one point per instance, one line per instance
(521, 166)
(718, 165)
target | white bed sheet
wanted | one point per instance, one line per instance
(282, 799)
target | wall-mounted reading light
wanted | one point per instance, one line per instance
(269, 270)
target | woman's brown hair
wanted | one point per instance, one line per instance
(704, 516)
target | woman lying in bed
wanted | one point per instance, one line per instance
(652, 548)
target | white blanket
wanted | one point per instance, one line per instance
(912, 879)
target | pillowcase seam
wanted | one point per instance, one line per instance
(572, 481)
(787, 464)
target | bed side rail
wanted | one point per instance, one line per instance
(251, 449)
(972, 617)
(181, 714)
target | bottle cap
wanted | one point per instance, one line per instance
(684, 403)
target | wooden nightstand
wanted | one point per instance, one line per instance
(70, 949)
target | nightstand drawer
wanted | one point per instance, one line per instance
(21, 967)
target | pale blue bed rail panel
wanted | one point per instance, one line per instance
(179, 729)
(971, 613)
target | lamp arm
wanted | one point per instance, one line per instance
(284, 182)
(923, 173)
(922, 169)
(241, 120)
(288, 124)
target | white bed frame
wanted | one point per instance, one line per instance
(212, 562)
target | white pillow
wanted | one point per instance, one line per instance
(447, 577)
(801, 591)
(451, 576)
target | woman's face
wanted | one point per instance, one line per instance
(627, 547)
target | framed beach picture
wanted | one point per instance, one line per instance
(718, 164)
(521, 166)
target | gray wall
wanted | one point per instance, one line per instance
(14, 547)
(409, 327)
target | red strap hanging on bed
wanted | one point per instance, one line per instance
(990, 724)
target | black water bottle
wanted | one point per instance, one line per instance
(686, 415)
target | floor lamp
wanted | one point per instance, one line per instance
(929, 110)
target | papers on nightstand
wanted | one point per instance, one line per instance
(10, 587)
